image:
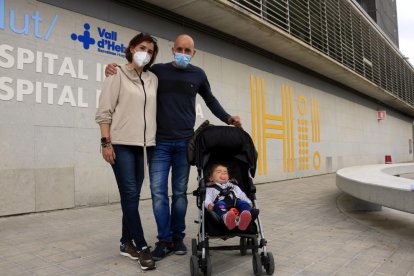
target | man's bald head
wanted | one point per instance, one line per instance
(184, 39)
(184, 44)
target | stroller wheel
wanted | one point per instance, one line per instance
(194, 265)
(194, 247)
(257, 264)
(269, 263)
(255, 245)
(243, 244)
(207, 266)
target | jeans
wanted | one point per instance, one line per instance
(170, 154)
(129, 174)
(221, 207)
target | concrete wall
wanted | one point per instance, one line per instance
(49, 84)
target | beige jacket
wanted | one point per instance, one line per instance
(129, 109)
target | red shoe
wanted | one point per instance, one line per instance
(244, 220)
(229, 220)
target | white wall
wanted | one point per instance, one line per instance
(49, 141)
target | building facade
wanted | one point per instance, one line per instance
(311, 102)
(384, 14)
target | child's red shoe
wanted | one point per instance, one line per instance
(244, 220)
(229, 220)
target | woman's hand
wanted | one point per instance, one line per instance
(108, 154)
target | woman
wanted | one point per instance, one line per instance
(127, 119)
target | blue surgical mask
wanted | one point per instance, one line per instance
(182, 60)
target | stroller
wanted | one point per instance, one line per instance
(234, 148)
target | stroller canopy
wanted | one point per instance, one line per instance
(226, 140)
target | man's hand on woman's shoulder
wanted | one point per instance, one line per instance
(110, 69)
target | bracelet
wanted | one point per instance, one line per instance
(105, 140)
(106, 145)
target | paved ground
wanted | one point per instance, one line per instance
(306, 223)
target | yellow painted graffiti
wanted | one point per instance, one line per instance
(270, 126)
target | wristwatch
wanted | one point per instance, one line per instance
(105, 140)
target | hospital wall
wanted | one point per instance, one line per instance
(51, 74)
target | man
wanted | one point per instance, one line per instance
(178, 84)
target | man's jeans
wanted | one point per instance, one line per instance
(170, 154)
(129, 174)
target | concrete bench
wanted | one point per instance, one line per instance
(378, 185)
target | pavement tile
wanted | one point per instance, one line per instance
(404, 268)
(307, 231)
(322, 268)
(45, 271)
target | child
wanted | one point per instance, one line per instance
(227, 200)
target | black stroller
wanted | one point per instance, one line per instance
(233, 147)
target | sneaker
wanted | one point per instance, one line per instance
(145, 259)
(128, 249)
(229, 220)
(162, 249)
(244, 220)
(179, 248)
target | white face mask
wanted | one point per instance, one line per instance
(141, 58)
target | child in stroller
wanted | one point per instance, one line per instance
(227, 200)
(233, 148)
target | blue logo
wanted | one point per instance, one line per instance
(107, 42)
(86, 38)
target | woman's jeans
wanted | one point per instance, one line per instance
(129, 174)
(170, 154)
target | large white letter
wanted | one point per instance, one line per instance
(50, 87)
(199, 111)
(38, 93)
(80, 98)
(80, 71)
(23, 87)
(39, 62)
(4, 88)
(51, 62)
(24, 56)
(98, 94)
(9, 59)
(67, 67)
(98, 72)
(67, 96)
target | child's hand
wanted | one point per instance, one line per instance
(210, 206)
